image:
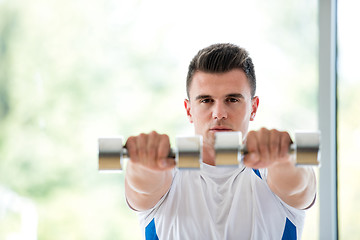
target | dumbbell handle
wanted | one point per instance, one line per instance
(112, 152)
(125, 153)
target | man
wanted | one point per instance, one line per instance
(264, 198)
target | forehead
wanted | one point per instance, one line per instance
(219, 84)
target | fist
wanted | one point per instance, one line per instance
(150, 151)
(267, 148)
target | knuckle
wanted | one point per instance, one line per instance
(285, 138)
(130, 140)
(153, 133)
(142, 138)
(143, 135)
(264, 130)
(283, 134)
(274, 132)
(251, 134)
(164, 137)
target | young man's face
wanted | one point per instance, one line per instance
(220, 102)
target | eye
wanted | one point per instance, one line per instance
(206, 100)
(232, 100)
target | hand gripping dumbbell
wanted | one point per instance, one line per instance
(228, 147)
(187, 154)
(230, 150)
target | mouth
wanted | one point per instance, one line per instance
(220, 129)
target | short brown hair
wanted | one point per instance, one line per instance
(222, 58)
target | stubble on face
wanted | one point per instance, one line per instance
(221, 87)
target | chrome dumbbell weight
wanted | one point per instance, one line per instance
(187, 153)
(229, 148)
(307, 148)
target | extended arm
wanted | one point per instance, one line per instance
(269, 149)
(148, 173)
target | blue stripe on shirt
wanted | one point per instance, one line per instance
(289, 231)
(257, 172)
(150, 231)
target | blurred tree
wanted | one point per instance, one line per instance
(7, 28)
(68, 77)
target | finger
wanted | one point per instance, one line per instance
(152, 145)
(253, 156)
(274, 145)
(251, 142)
(163, 151)
(285, 144)
(141, 144)
(263, 138)
(131, 147)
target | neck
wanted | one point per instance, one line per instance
(208, 155)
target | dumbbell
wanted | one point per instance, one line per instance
(187, 153)
(228, 147)
(230, 150)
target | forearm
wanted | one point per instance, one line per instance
(294, 185)
(145, 187)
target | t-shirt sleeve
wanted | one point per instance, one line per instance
(146, 216)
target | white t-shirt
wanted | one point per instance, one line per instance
(221, 203)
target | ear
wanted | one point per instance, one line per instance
(254, 107)
(188, 110)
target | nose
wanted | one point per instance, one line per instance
(219, 111)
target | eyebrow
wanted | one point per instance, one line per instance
(202, 97)
(234, 95)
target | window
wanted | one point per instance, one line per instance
(73, 71)
(348, 120)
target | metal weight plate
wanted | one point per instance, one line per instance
(307, 148)
(188, 152)
(227, 148)
(110, 154)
